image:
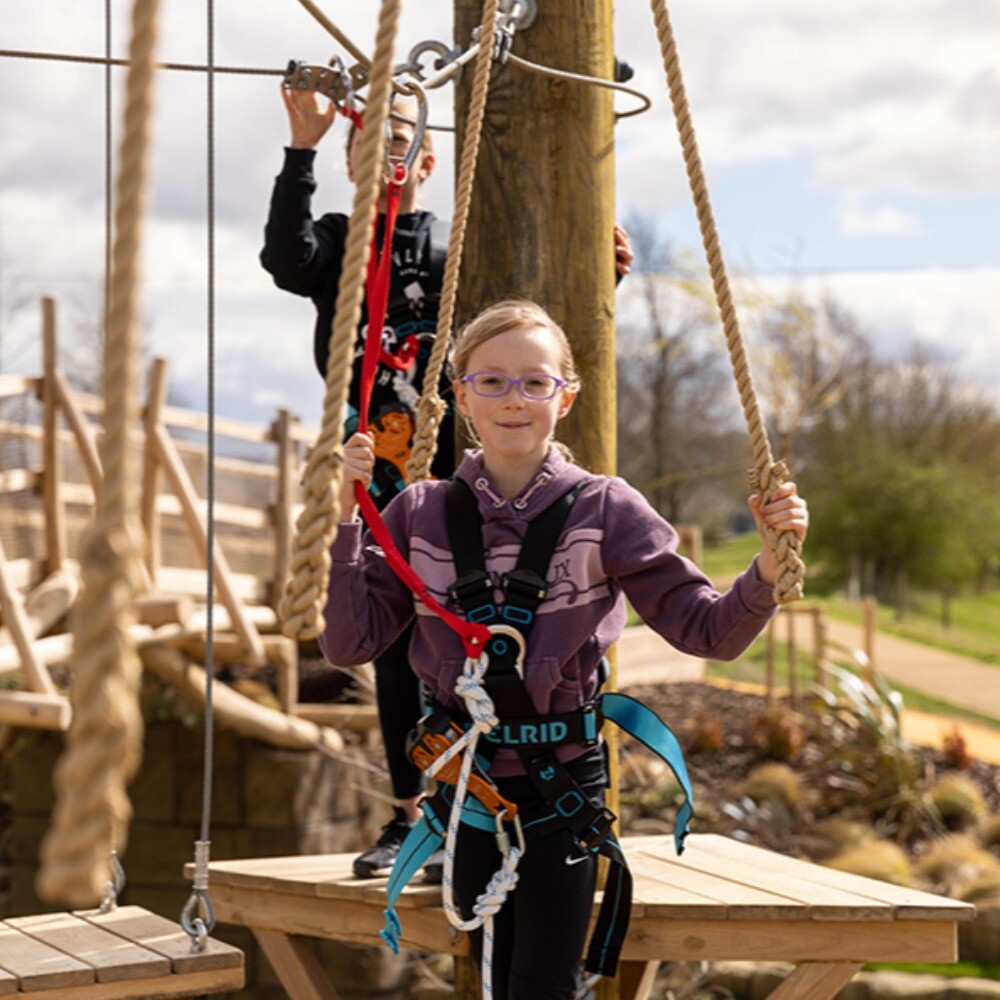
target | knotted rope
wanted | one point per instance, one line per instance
(430, 407)
(479, 705)
(104, 742)
(316, 527)
(767, 474)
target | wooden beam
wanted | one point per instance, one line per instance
(12, 608)
(816, 981)
(83, 431)
(184, 490)
(152, 474)
(296, 965)
(282, 511)
(29, 710)
(636, 979)
(234, 710)
(52, 464)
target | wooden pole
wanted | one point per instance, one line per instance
(541, 224)
(152, 472)
(52, 466)
(282, 512)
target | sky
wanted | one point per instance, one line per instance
(854, 147)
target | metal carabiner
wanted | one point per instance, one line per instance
(503, 838)
(397, 170)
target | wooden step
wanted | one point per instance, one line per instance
(128, 952)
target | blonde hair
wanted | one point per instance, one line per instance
(502, 317)
(404, 109)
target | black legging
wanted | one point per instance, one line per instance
(540, 932)
(397, 693)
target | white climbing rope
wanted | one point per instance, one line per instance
(479, 705)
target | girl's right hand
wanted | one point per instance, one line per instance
(359, 465)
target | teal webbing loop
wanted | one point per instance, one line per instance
(646, 726)
(420, 843)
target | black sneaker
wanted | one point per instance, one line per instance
(378, 860)
(434, 868)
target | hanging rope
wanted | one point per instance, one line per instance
(316, 527)
(104, 742)
(430, 407)
(767, 474)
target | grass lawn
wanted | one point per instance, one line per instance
(975, 629)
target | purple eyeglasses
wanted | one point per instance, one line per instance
(534, 385)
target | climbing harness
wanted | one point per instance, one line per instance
(518, 726)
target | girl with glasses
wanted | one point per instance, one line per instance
(514, 380)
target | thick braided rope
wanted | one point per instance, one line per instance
(767, 474)
(104, 742)
(431, 408)
(316, 527)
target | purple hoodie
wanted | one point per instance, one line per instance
(614, 545)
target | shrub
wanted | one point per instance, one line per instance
(882, 860)
(958, 801)
(954, 862)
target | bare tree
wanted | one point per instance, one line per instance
(677, 412)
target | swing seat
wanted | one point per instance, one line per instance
(128, 952)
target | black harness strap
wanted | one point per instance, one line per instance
(524, 589)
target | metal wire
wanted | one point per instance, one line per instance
(107, 60)
(580, 78)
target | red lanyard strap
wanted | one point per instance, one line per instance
(474, 637)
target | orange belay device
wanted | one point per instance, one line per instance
(434, 735)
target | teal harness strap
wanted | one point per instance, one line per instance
(420, 843)
(646, 726)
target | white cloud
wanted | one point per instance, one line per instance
(881, 221)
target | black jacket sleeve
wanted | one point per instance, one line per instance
(300, 252)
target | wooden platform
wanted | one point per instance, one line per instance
(722, 900)
(128, 952)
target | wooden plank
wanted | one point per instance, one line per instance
(295, 874)
(823, 902)
(36, 965)
(164, 937)
(815, 981)
(112, 957)
(296, 966)
(791, 940)
(729, 899)
(346, 920)
(8, 983)
(908, 904)
(192, 984)
(47, 603)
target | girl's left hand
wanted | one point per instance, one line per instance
(785, 511)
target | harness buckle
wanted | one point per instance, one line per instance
(598, 831)
(469, 586)
(525, 584)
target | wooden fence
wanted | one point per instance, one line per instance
(50, 472)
